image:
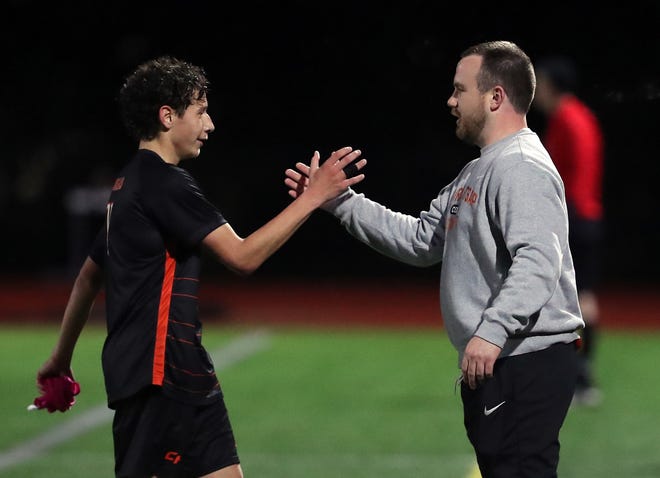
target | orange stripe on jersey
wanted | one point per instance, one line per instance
(158, 372)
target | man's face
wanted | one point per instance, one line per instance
(467, 103)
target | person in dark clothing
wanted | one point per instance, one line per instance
(574, 138)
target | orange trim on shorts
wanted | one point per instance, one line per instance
(158, 372)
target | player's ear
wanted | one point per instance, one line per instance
(166, 115)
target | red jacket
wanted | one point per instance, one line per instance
(575, 143)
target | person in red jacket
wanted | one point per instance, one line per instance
(574, 139)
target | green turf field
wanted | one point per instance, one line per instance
(331, 403)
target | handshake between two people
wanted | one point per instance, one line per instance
(328, 180)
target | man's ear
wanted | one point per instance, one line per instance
(166, 115)
(497, 98)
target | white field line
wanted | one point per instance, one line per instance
(238, 349)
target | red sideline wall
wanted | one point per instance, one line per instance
(337, 303)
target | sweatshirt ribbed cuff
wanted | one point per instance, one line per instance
(333, 205)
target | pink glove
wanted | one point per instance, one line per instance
(56, 394)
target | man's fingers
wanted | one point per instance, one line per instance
(296, 177)
(293, 175)
(295, 184)
(488, 372)
(345, 157)
(303, 168)
(292, 184)
(473, 373)
(348, 158)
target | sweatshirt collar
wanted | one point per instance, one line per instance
(504, 141)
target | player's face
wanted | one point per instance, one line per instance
(467, 103)
(192, 129)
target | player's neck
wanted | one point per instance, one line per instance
(162, 149)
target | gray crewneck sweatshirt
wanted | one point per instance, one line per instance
(500, 230)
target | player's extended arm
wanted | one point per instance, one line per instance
(82, 297)
(245, 255)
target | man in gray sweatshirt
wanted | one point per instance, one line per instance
(507, 285)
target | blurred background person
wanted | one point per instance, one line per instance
(574, 139)
(85, 206)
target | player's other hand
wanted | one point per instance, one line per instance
(337, 173)
(57, 391)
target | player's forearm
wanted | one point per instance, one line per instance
(77, 311)
(265, 241)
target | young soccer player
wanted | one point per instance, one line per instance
(170, 418)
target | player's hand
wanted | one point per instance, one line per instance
(478, 361)
(340, 171)
(57, 388)
(54, 367)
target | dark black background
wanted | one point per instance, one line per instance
(291, 77)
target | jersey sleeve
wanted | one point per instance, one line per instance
(182, 210)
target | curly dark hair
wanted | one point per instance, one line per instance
(162, 81)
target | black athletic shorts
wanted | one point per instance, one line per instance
(157, 435)
(513, 419)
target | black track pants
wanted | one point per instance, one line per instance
(513, 419)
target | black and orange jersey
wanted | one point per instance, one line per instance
(150, 251)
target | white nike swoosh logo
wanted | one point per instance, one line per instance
(488, 411)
